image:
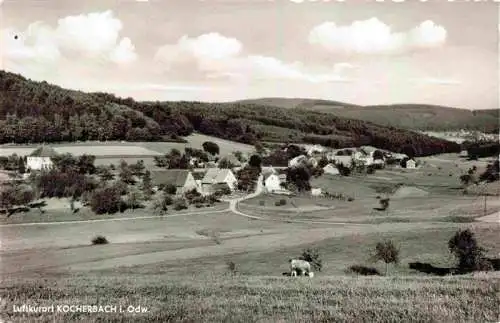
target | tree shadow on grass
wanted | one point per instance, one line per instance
(443, 271)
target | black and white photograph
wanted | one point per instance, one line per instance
(263, 161)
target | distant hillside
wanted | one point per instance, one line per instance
(309, 104)
(37, 111)
(408, 116)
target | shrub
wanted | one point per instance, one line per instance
(277, 203)
(134, 200)
(180, 204)
(262, 203)
(467, 250)
(384, 203)
(231, 267)
(106, 200)
(363, 270)
(313, 257)
(170, 189)
(160, 206)
(387, 252)
(99, 240)
(282, 202)
(198, 205)
(350, 199)
(167, 199)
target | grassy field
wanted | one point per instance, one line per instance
(135, 149)
(176, 266)
(170, 298)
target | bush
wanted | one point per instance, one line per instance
(106, 200)
(467, 250)
(384, 203)
(350, 199)
(387, 252)
(180, 204)
(282, 202)
(363, 270)
(168, 200)
(198, 205)
(231, 267)
(170, 189)
(313, 257)
(100, 240)
(277, 203)
(262, 203)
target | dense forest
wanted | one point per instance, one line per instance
(40, 112)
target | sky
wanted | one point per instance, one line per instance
(356, 51)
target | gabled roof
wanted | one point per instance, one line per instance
(44, 151)
(215, 175)
(266, 171)
(176, 177)
(266, 176)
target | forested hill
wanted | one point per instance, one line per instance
(37, 111)
(423, 117)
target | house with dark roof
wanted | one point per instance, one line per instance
(41, 158)
(215, 176)
(182, 179)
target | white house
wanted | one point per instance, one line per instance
(331, 169)
(316, 191)
(215, 176)
(41, 158)
(272, 183)
(411, 164)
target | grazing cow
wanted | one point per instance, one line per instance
(299, 266)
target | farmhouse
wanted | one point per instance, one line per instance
(331, 169)
(41, 158)
(272, 183)
(182, 179)
(216, 176)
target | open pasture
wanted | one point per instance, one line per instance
(222, 298)
(340, 247)
(187, 279)
(114, 149)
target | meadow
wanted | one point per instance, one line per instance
(176, 265)
(113, 152)
(225, 298)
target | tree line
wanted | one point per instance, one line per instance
(39, 112)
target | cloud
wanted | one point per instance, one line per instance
(88, 38)
(215, 56)
(373, 36)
